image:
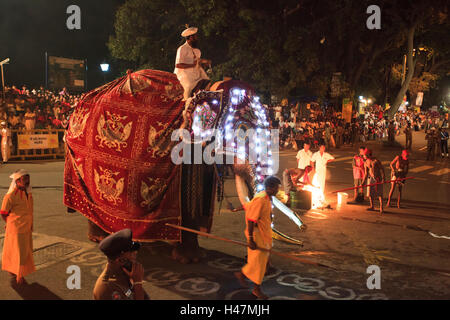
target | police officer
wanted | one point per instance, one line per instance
(430, 137)
(444, 141)
(408, 135)
(122, 277)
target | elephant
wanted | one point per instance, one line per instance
(131, 161)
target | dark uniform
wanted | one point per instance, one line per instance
(408, 135)
(114, 283)
(430, 137)
(444, 142)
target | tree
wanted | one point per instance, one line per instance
(283, 48)
(425, 20)
(147, 33)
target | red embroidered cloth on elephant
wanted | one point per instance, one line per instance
(118, 171)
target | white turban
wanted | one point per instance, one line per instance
(17, 175)
(189, 32)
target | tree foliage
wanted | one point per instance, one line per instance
(285, 47)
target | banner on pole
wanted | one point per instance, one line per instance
(347, 105)
(37, 141)
(419, 99)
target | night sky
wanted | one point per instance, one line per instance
(29, 28)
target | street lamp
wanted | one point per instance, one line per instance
(105, 68)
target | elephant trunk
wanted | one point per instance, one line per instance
(245, 182)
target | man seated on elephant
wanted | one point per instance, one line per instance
(189, 65)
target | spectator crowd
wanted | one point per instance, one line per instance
(319, 125)
(25, 109)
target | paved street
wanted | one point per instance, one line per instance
(413, 262)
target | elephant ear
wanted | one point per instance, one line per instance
(245, 194)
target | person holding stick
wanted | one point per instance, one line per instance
(374, 172)
(399, 170)
(258, 218)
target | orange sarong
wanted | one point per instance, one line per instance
(17, 256)
(259, 211)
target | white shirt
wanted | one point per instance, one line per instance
(321, 160)
(191, 76)
(305, 158)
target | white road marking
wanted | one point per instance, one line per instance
(440, 172)
(420, 169)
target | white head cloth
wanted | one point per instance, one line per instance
(189, 32)
(17, 175)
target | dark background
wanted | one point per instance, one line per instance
(29, 28)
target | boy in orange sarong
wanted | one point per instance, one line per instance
(258, 218)
(17, 211)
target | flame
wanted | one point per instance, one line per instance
(317, 196)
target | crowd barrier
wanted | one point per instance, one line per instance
(37, 144)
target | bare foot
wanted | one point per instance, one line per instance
(20, 280)
(371, 209)
(257, 292)
(241, 279)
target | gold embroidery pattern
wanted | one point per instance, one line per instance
(152, 195)
(156, 141)
(77, 123)
(112, 132)
(107, 186)
(171, 92)
(79, 169)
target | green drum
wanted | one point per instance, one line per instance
(300, 200)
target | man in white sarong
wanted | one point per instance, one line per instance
(321, 159)
(188, 64)
(6, 141)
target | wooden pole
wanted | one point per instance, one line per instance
(373, 184)
(3, 85)
(243, 244)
